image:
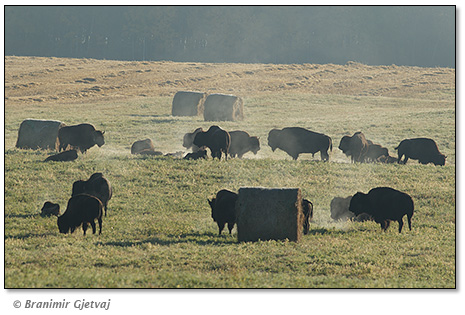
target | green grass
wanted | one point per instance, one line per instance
(159, 231)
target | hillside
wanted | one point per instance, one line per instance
(61, 80)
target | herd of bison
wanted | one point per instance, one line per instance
(90, 198)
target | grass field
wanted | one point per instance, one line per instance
(159, 232)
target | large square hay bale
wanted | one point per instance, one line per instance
(188, 103)
(38, 134)
(223, 107)
(269, 214)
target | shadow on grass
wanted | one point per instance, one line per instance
(201, 239)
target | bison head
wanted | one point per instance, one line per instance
(273, 139)
(254, 143)
(188, 139)
(359, 204)
(201, 139)
(440, 159)
(212, 205)
(63, 225)
(98, 137)
(344, 145)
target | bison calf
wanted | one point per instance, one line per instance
(384, 204)
(81, 210)
(224, 209)
(201, 154)
(49, 209)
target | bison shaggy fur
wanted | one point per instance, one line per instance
(224, 209)
(384, 204)
(82, 210)
(242, 142)
(355, 146)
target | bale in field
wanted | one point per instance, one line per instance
(81, 210)
(50, 208)
(242, 142)
(97, 185)
(38, 134)
(384, 204)
(224, 209)
(223, 107)
(188, 103)
(82, 137)
(65, 156)
(269, 214)
(140, 145)
(188, 140)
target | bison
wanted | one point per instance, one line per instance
(82, 137)
(424, 150)
(97, 185)
(216, 139)
(50, 208)
(340, 210)
(82, 209)
(64, 156)
(384, 204)
(374, 152)
(242, 142)
(224, 209)
(296, 140)
(188, 140)
(201, 154)
(356, 146)
(307, 208)
(387, 159)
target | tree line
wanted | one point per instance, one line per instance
(377, 35)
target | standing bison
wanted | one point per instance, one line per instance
(81, 210)
(216, 139)
(82, 137)
(241, 143)
(356, 146)
(384, 204)
(224, 209)
(424, 150)
(97, 185)
(296, 140)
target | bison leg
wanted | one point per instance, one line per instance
(99, 220)
(84, 227)
(230, 226)
(385, 224)
(401, 224)
(92, 224)
(409, 218)
(220, 227)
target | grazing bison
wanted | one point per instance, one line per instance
(296, 140)
(64, 156)
(202, 154)
(216, 139)
(384, 204)
(50, 208)
(374, 152)
(82, 209)
(356, 146)
(188, 140)
(242, 142)
(424, 150)
(224, 209)
(97, 185)
(82, 137)
(307, 208)
(141, 145)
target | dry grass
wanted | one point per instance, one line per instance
(59, 80)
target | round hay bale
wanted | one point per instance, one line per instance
(188, 103)
(38, 134)
(223, 107)
(269, 214)
(141, 145)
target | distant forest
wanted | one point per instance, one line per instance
(374, 35)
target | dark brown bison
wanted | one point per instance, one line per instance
(384, 204)
(374, 152)
(81, 210)
(97, 185)
(201, 154)
(356, 146)
(50, 208)
(242, 142)
(424, 150)
(64, 156)
(216, 139)
(82, 137)
(387, 159)
(296, 140)
(224, 209)
(188, 140)
(307, 208)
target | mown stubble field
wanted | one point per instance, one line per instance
(159, 233)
